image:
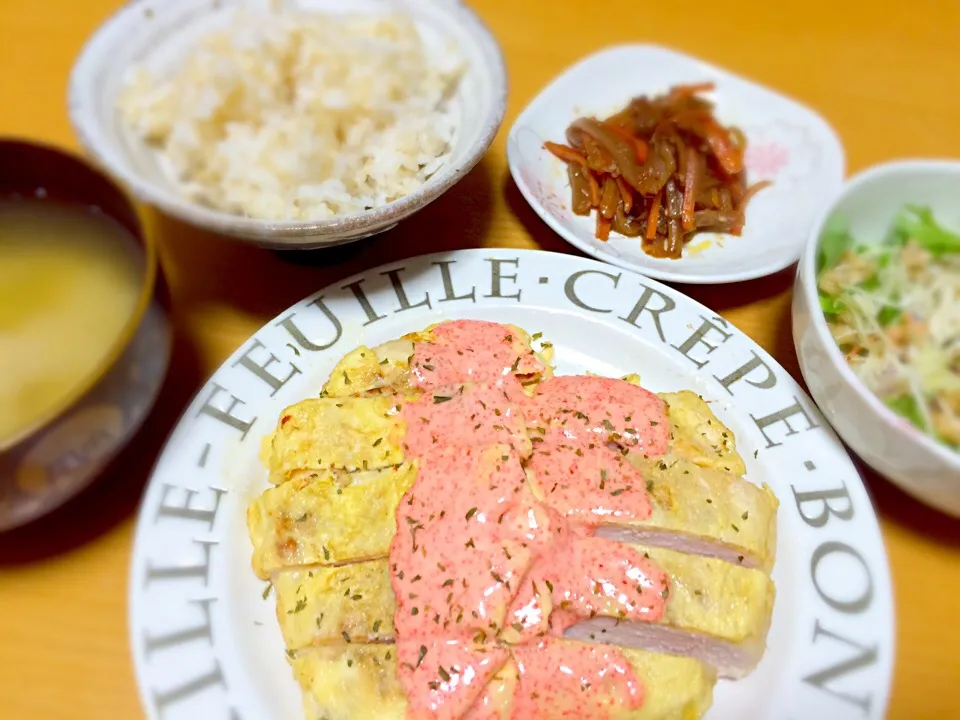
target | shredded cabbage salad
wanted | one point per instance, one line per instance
(894, 310)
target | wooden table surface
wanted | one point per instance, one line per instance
(886, 77)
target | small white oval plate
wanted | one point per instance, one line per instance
(207, 645)
(786, 143)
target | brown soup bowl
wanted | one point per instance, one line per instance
(45, 464)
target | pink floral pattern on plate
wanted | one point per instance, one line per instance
(765, 160)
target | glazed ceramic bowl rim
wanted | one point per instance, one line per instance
(148, 281)
(808, 274)
(283, 233)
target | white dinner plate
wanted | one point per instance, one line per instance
(205, 641)
(787, 143)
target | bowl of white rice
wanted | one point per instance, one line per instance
(292, 125)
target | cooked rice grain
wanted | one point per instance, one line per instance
(299, 116)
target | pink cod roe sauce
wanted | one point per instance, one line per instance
(481, 412)
(465, 350)
(485, 572)
(586, 480)
(592, 682)
(602, 409)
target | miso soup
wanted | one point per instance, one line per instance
(70, 280)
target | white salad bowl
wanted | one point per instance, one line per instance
(921, 466)
(155, 33)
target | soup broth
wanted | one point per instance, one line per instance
(70, 279)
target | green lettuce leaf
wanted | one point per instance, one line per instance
(831, 305)
(906, 407)
(871, 283)
(835, 240)
(917, 223)
(888, 314)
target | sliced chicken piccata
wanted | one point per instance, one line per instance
(359, 682)
(697, 507)
(721, 609)
(340, 467)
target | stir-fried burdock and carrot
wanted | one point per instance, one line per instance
(661, 169)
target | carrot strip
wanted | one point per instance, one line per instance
(620, 131)
(738, 137)
(729, 155)
(753, 190)
(641, 149)
(654, 216)
(737, 191)
(723, 144)
(567, 154)
(638, 143)
(681, 91)
(658, 163)
(625, 195)
(689, 189)
(737, 228)
(594, 187)
(603, 227)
